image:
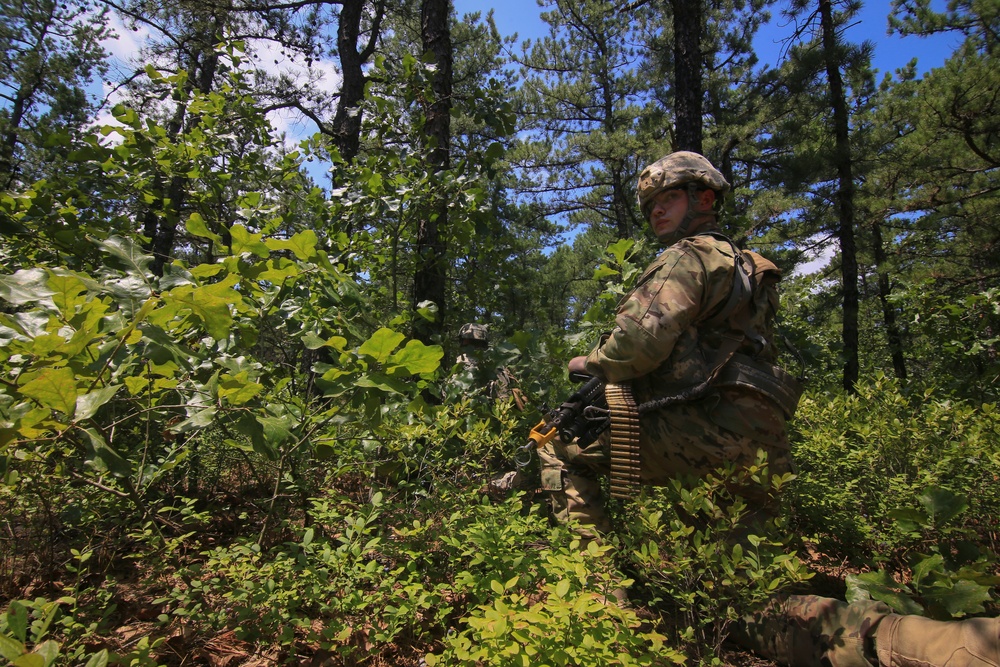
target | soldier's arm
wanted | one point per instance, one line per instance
(659, 310)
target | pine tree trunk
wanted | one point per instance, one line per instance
(346, 129)
(845, 198)
(431, 269)
(687, 74)
(892, 331)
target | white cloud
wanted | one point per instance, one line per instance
(124, 57)
(823, 250)
(322, 76)
(264, 55)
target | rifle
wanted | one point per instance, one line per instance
(583, 417)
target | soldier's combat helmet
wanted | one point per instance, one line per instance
(677, 170)
(473, 334)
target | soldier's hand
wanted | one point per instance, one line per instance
(578, 365)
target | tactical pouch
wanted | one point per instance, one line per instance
(778, 385)
(552, 478)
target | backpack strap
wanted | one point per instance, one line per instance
(743, 285)
(736, 311)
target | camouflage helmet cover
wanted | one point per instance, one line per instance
(473, 334)
(676, 170)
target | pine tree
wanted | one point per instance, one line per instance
(49, 52)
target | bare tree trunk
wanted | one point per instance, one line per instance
(346, 130)
(845, 197)
(430, 274)
(687, 74)
(892, 331)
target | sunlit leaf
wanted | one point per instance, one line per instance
(209, 303)
(278, 269)
(381, 344)
(619, 250)
(10, 648)
(604, 271)
(196, 226)
(54, 388)
(131, 255)
(382, 382)
(428, 310)
(199, 418)
(238, 389)
(88, 404)
(29, 660)
(99, 659)
(25, 286)
(48, 649)
(245, 242)
(302, 244)
(418, 358)
(66, 292)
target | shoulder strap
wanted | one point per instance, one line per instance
(742, 292)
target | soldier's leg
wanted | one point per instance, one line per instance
(571, 477)
(813, 631)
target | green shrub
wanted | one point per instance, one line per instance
(567, 620)
(951, 575)
(27, 634)
(704, 558)
(862, 457)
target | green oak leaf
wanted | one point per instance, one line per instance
(381, 344)
(53, 388)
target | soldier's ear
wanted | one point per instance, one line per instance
(706, 200)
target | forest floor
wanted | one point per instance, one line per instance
(131, 593)
(139, 606)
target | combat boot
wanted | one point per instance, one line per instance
(915, 641)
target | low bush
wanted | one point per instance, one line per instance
(863, 457)
(705, 557)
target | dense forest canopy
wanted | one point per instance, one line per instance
(228, 350)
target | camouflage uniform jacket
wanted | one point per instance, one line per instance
(664, 340)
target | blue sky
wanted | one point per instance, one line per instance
(891, 52)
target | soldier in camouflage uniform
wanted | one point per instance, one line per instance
(498, 383)
(669, 333)
(678, 335)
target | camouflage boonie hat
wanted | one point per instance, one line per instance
(675, 170)
(473, 334)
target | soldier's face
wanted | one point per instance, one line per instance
(669, 208)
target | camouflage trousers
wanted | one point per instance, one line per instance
(684, 439)
(813, 631)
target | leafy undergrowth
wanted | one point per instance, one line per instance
(172, 494)
(451, 577)
(388, 567)
(461, 579)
